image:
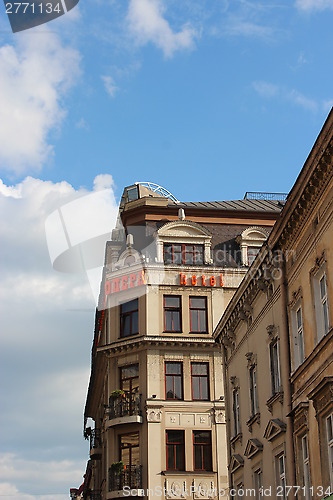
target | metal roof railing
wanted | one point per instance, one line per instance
(257, 195)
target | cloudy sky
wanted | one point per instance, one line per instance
(209, 98)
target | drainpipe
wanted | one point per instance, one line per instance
(226, 405)
(285, 355)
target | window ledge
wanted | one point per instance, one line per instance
(187, 472)
(252, 420)
(235, 439)
(278, 396)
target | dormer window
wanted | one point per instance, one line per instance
(181, 253)
(250, 242)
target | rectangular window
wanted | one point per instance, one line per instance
(129, 449)
(251, 254)
(172, 313)
(329, 428)
(275, 366)
(129, 318)
(200, 381)
(321, 303)
(202, 450)
(258, 484)
(129, 378)
(236, 412)
(281, 474)
(253, 390)
(173, 380)
(180, 253)
(300, 337)
(198, 314)
(305, 468)
(175, 450)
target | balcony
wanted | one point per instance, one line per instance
(127, 482)
(95, 444)
(95, 495)
(125, 409)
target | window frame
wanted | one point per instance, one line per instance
(181, 448)
(204, 297)
(275, 368)
(254, 404)
(130, 314)
(203, 449)
(130, 379)
(205, 363)
(183, 253)
(258, 483)
(169, 309)
(321, 303)
(305, 466)
(236, 411)
(281, 476)
(329, 446)
(173, 375)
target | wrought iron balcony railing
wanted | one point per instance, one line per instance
(126, 405)
(95, 439)
(131, 476)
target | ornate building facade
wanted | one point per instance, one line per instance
(277, 343)
(156, 391)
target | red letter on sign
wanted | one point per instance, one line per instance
(115, 283)
(132, 280)
(142, 279)
(221, 280)
(203, 280)
(212, 281)
(107, 287)
(182, 279)
(194, 280)
(124, 282)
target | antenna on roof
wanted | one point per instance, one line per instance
(156, 188)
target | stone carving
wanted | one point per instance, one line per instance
(154, 415)
(219, 416)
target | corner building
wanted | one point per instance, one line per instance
(156, 392)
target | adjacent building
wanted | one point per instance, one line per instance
(276, 338)
(156, 391)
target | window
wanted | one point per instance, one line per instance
(275, 366)
(200, 381)
(240, 493)
(129, 378)
(305, 468)
(251, 254)
(198, 315)
(175, 450)
(281, 474)
(253, 390)
(258, 484)
(129, 449)
(298, 336)
(129, 318)
(183, 254)
(172, 313)
(329, 428)
(173, 380)
(236, 412)
(202, 450)
(321, 303)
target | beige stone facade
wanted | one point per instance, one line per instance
(155, 401)
(276, 337)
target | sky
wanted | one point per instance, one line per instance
(208, 98)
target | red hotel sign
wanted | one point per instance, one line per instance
(202, 280)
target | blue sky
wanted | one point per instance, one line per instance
(207, 98)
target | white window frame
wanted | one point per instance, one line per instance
(275, 367)
(236, 411)
(254, 406)
(298, 334)
(258, 484)
(321, 303)
(329, 434)
(281, 473)
(306, 473)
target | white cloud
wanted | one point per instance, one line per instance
(311, 5)
(301, 100)
(110, 85)
(47, 323)
(147, 24)
(35, 75)
(265, 89)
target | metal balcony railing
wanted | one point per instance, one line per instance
(95, 439)
(131, 476)
(255, 195)
(126, 405)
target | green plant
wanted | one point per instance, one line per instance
(117, 393)
(117, 467)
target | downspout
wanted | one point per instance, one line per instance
(285, 352)
(226, 404)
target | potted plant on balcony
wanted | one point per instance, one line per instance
(117, 467)
(118, 393)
